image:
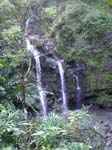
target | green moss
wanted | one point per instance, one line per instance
(104, 98)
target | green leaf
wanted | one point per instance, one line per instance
(2, 78)
(2, 107)
(2, 64)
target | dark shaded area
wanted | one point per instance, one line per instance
(77, 70)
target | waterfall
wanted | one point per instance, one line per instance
(41, 91)
(63, 88)
(77, 83)
(78, 94)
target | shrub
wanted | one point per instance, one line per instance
(74, 132)
(12, 129)
(81, 28)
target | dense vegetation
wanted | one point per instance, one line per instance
(73, 132)
(83, 30)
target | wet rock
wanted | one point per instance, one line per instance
(76, 69)
(32, 26)
(44, 44)
(107, 133)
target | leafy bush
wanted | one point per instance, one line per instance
(48, 132)
(74, 132)
(50, 11)
(12, 129)
(12, 34)
(80, 29)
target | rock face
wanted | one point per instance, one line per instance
(106, 134)
(74, 75)
(45, 44)
(74, 86)
(75, 71)
(51, 81)
(32, 26)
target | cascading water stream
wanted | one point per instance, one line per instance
(42, 95)
(63, 88)
(77, 83)
(78, 94)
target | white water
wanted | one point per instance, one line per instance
(42, 95)
(78, 94)
(63, 89)
(77, 83)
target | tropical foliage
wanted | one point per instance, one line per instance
(74, 132)
(81, 29)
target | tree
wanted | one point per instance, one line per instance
(13, 46)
